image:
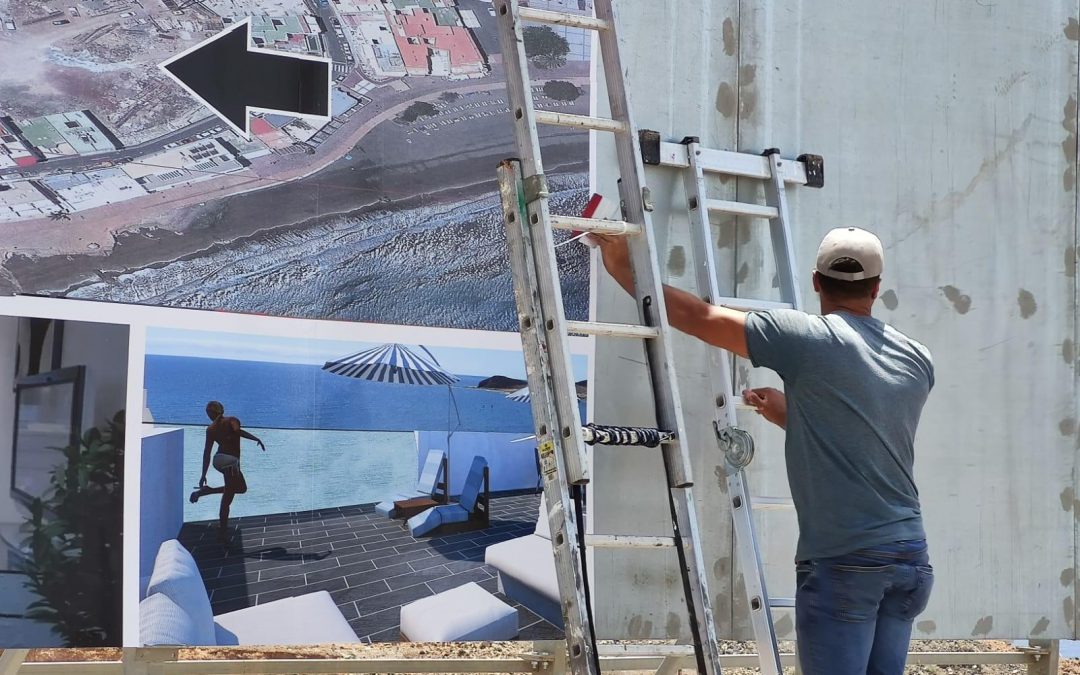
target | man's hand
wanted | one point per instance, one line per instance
(261, 446)
(769, 403)
(616, 254)
(202, 482)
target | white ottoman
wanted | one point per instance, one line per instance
(461, 614)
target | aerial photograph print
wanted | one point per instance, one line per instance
(116, 184)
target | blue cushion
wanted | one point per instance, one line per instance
(164, 623)
(428, 520)
(474, 483)
(430, 475)
(385, 509)
(452, 513)
(177, 576)
(424, 522)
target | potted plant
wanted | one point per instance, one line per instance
(74, 541)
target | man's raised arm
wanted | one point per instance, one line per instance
(718, 326)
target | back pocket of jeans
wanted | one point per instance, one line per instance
(919, 597)
(858, 590)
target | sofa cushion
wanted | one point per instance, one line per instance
(474, 484)
(307, 619)
(467, 612)
(426, 521)
(529, 560)
(429, 476)
(163, 623)
(177, 576)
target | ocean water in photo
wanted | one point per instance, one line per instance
(305, 469)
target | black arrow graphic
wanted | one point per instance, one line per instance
(233, 79)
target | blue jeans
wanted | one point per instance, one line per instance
(853, 613)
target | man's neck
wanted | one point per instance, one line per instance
(858, 309)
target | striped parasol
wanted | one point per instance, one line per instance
(392, 363)
(520, 395)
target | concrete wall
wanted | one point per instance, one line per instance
(162, 497)
(950, 130)
(512, 466)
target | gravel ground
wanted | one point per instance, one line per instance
(504, 649)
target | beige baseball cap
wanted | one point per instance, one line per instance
(850, 254)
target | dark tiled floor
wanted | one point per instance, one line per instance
(369, 564)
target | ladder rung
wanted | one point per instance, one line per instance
(561, 18)
(627, 541)
(596, 225)
(731, 163)
(742, 208)
(781, 602)
(611, 329)
(772, 503)
(579, 121)
(750, 305)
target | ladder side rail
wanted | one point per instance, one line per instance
(648, 286)
(569, 562)
(749, 557)
(680, 497)
(780, 229)
(648, 291)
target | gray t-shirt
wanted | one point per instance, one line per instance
(855, 388)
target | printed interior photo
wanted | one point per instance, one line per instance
(302, 491)
(63, 389)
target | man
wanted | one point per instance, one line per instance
(226, 432)
(855, 388)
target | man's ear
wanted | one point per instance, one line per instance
(817, 284)
(877, 289)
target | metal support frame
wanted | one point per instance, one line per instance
(1047, 655)
(11, 660)
(543, 656)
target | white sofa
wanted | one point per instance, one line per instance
(526, 567)
(176, 611)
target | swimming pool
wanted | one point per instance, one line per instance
(304, 469)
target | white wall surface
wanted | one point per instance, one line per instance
(162, 505)
(949, 128)
(103, 349)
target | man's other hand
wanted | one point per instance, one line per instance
(616, 255)
(768, 402)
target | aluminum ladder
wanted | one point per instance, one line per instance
(544, 333)
(737, 445)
